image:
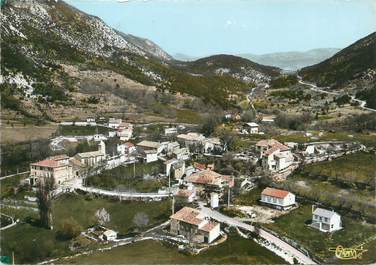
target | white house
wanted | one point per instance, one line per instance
(125, 131)
(93, 158)
(210, 144)
(170, 131)
(171, 147)
(150, 156)
(274, 155)
(186, 195)
(325, 220)
(252, 128)
(194, 226)
(279, 199)
(125, 148)
(268, 119)
(191, 138)
(114, 123)
(80, 123)
(150, 145)
(109, 235)
(182, 153)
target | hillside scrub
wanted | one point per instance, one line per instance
(296, 122)
(284, 81)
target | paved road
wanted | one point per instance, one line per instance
(13, 175)
(76, 184)
(304, 259)
(314, 87)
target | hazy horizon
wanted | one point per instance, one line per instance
(200, 28)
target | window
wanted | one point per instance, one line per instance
(326, 219)
(331, 226)
(320, 218)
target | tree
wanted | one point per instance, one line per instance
(248, 116)
(69, 229)
(45, 187)
(141, 219)
(210, 124)
(102, 216)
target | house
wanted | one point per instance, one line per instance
(109, 235)
(149, 156)
(268, 119)
(80, 123)
(212, 144)
(114, 123)
(251, 128)
(181, 153)
(171, 147)
(150, 145)
(194, 226)
(170, 131)
(187, 195)
(279, 199)
(175, 168)
(125, 148)
(91, 122)
(178, 170)
(191, 138)
(125, 131)
(93, 158)
(325, 220)
(57, 167)
(274, 155)
(208, 181)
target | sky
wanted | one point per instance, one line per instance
(205, 27)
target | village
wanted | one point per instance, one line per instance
(130, 162)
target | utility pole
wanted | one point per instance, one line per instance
(173, 205)
(228, 196)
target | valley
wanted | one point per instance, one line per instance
(114, 152)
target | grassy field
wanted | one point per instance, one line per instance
(69, 130)
(7, 185)
(188, 116)
(354, 233)
(359, 167)
(122, 178)
(328, 192)
(249, 198)
(82, 209)
(32, 243)
(235, 250)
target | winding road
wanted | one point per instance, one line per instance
(315, 88)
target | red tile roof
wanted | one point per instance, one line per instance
(275, 192)
(47, 163)
(188, 215)
(209, 226)
(184, 193)
(209, 177)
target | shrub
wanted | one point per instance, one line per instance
(69, 229)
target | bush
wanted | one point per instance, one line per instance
(248, 116)
(293, 122)
(69, 229)
(284, 81)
